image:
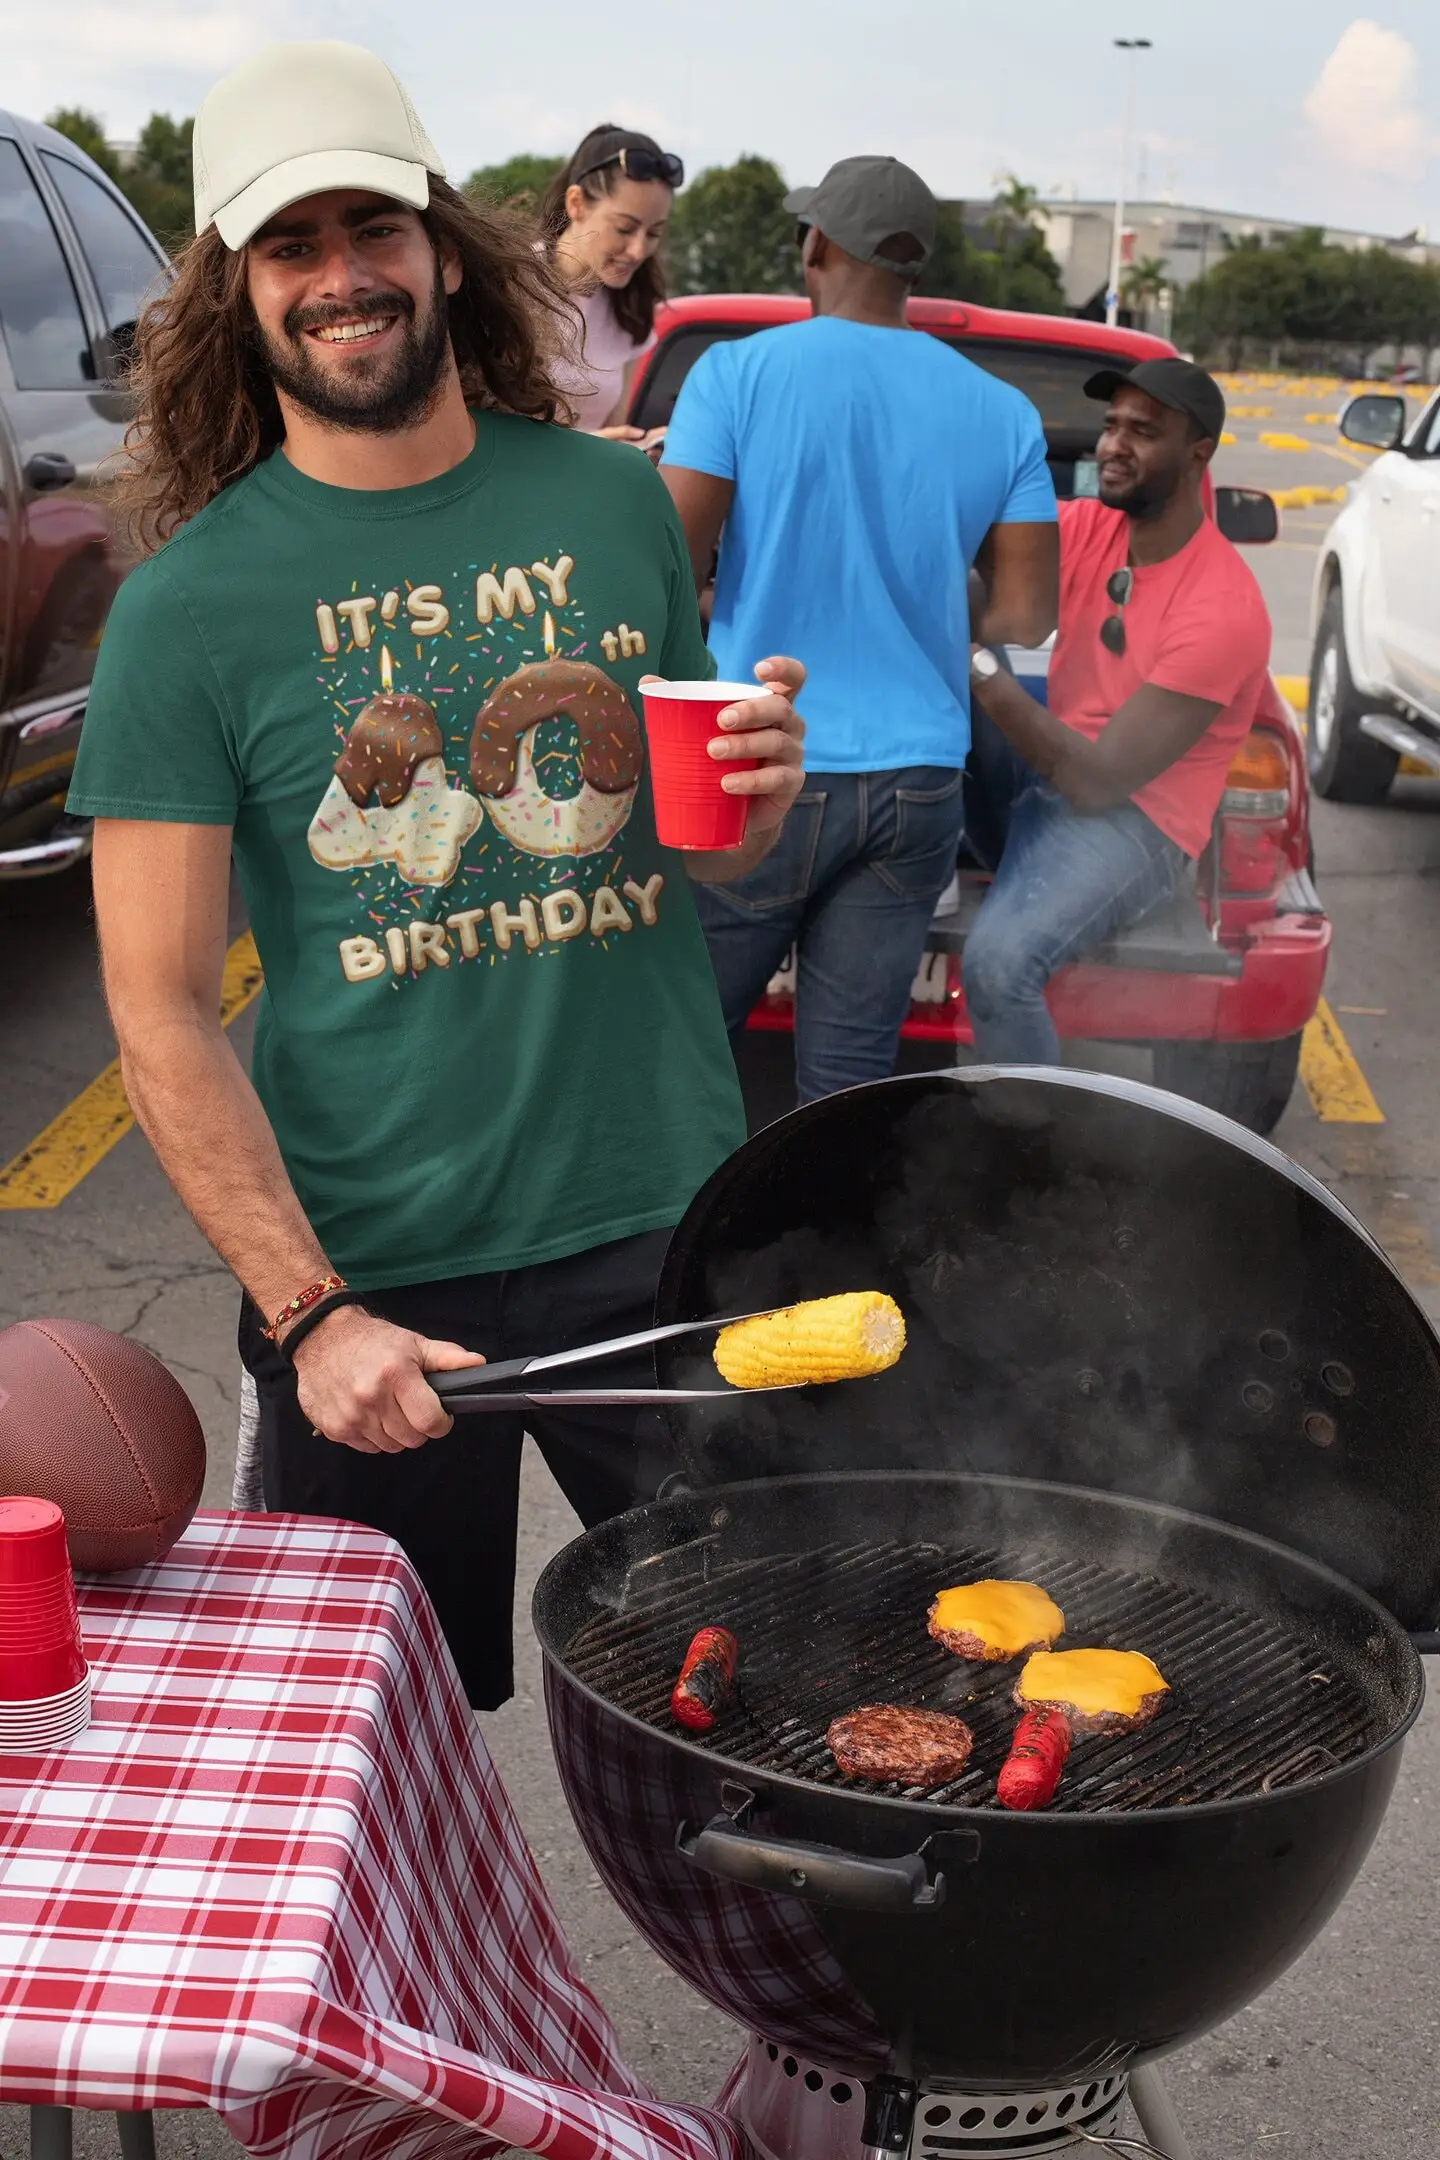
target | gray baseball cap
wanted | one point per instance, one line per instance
(864, 201)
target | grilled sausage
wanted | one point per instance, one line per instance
(703, 1688)
(1031, 1771)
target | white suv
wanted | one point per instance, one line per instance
(1375, 613)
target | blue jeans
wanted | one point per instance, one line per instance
(1066, 880)
(852, 882)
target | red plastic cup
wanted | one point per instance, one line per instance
(692, 810)
(40, 1650)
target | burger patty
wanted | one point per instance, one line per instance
(888, 1742)
(1088, 1723)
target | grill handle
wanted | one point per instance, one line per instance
(824, 1874)
(1426, 1641)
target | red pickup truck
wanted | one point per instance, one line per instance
(1218, 982)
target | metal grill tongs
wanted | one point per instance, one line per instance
(491, 1387)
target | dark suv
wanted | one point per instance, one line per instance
(75, 265)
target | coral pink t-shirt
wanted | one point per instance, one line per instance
(1196, 624)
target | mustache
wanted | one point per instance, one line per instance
(323, 314)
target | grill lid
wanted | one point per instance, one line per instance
(1103, 1286)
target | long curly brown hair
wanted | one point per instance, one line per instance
(206, 412)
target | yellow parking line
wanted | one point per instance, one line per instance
(1295, 690)
(42, 1175)
(1338, 1090)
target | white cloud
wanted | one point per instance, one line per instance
(1364, 105)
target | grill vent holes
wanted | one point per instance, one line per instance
(1338, 1378)
(1320, 1428)
(1275, 1345)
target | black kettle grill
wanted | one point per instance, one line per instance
(1151, 1365)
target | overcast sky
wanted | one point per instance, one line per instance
(1292, 108)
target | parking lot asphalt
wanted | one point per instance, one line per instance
(1337, 2061)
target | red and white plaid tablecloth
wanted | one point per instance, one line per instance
(279, 1877)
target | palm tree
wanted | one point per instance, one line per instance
(1144, 283)
(1013, 209)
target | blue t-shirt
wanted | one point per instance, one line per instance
(868, 465)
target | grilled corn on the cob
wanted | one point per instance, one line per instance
(832, 1338)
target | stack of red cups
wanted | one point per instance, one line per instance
(44, 1679)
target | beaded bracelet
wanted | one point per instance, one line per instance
(312, 1316)
(302, 1301)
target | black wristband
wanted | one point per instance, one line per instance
(312, 1316)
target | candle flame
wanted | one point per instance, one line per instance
(548, 627)
(387, 677)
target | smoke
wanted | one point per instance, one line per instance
(1096, 1294)
(1364, 106)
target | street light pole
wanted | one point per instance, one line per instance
(1112, 296)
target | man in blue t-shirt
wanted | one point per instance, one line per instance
(858, 470)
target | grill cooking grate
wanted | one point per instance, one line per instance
(1256, 1703)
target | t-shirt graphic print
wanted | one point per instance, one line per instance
(549, 769)
(489, 1033)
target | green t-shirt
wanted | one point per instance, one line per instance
(489, 1033)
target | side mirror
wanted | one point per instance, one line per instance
(1247, 516)
(1375, 419)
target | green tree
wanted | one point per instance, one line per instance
(1302, 289)
(518, 184)
(1144, 283)
(1018, 272)
(87, 131)
(158, 179)
(1012, 213)
(731, 232)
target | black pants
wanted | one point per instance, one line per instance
(452, 1504)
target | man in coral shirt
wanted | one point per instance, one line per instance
(1099, 801)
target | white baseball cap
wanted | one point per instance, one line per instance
(297, 119)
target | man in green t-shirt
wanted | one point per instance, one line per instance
(389, 653)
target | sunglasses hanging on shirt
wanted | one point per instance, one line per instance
(641, 165)
(1118, 588)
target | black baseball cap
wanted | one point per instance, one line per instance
(864, 201)
(1176, 383)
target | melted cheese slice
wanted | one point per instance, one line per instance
(1006, 1616)
(1097, 1683)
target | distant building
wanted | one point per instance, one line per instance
(1188, 240)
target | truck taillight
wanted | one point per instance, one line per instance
(1258, 782)
(1256, 813)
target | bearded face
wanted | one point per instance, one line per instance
(351, 321)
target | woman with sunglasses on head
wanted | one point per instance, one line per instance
(602, 219)
(1102, 797)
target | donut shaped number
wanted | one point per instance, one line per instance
(502, 758)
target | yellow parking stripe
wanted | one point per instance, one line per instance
(42, 1175)
(1295, 690)
(1338, 1090)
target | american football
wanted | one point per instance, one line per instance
(93, 1422)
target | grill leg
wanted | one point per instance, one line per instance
(50, 2133)
(1158, 2119)
(137, 2134)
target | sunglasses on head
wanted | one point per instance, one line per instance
(641, 165)
(1118, 588)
